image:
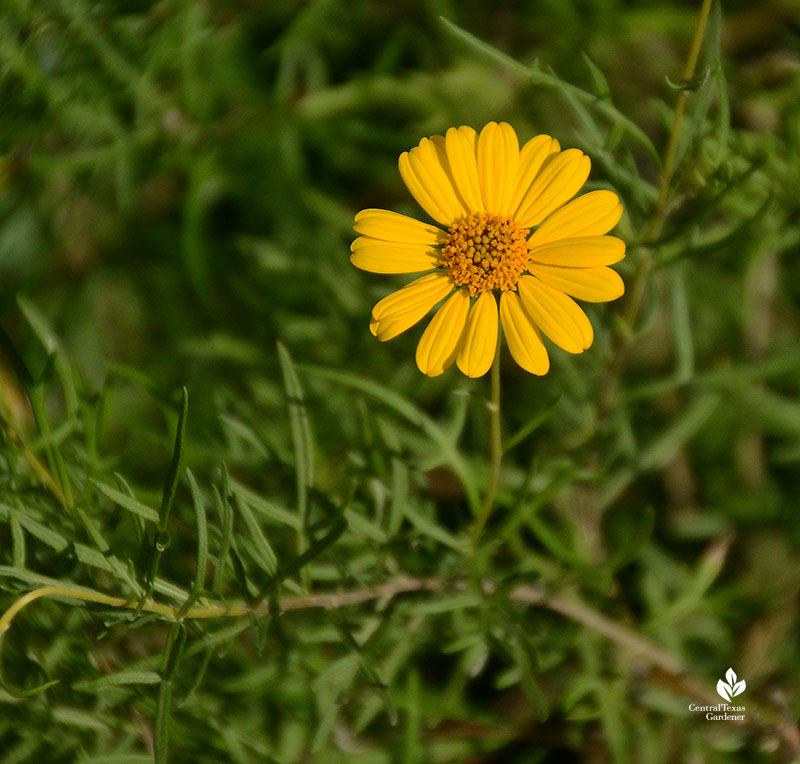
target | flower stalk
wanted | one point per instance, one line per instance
(496, 447)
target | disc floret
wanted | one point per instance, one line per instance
(486, 252)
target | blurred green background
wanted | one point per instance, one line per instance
(177, 187)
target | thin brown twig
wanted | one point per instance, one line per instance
(766, 721)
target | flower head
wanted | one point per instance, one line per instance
(510, 235)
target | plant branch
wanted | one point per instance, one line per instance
(671, 670)
(657, 217)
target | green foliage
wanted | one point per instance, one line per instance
(192, 407)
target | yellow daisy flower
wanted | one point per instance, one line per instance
(510, 231)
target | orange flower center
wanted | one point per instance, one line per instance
(485, 252)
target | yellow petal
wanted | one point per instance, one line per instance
(556, 315)
(531, 158)
(392, 226)
(426, 172)
(480, 338)
(419, 191)
(461, 146)
(433, 285)
(580, 252)
(460, 207)
(390, 257)
(592, 214)
(498, 158)
(524, 341)
(438, 346)
(589, 284)
(560, 179)
(405, 307)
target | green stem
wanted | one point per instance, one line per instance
(763, 718)
(668, 169)
(656, 223)
(496, 452)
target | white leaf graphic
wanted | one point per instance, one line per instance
(730, 675)
(723, 690)
(739, 688)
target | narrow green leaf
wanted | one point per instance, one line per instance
(626, 533)
(663, 448)
(707, 571)
(140, 380)
(445, 604)
(225, 511)
(449, 452)
(338, 527)
(364, 527)
(17, 539)
(126, 502)
(78, 717)
(412, 735)
(682, 328)
(392, 665)
(243, 432)
(561, 549)
(40, 325)
(777, 414)
(42, 532)
(265, 557)
(160, 540)
(723, 122)
(428, 527)
(302, 440)
(117, 567)
(399, 477)
(202, 544)
(173, 476)
(612, 702)
(92, 557)
(118, 678)
(365, 662)
(702, 98)
(268, 509)
(548, 79)
(531, 426)
(119, 758)
(328, 687)
(523, 655)
(35, 579)
(54, 457)
(197, 679)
